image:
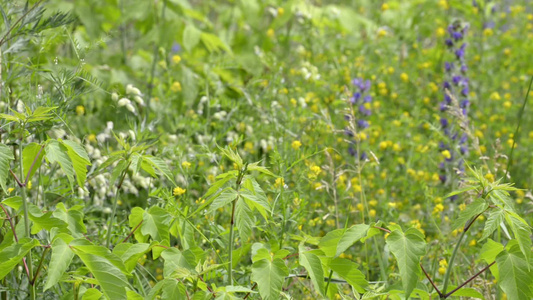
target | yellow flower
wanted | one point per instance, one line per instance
(382, 32)
(176, 87)
(446, 154)
(472, 243)
(442, 270)
(385, 7)
(488, 32)
(404, 77)
(80, 110)
(444, 4)
(29, 185)
(438, 208)
(296, 145)
(186, 164)
(441, 32)
(372, 213)
(176, 59)
(489, 177)
(91, 138)
(495, 96)
(9, 190)
(178, 191)
(271, 33)
(281, 11)
(507, 104)
(280, 182)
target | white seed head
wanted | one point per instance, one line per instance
(123, 102)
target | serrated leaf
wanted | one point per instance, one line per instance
(269, 276)
(227, 196)
(156, 223)
(471, 210)
(348, 270)
(80, 160)
(170, 288)
(41, 113)
(61, 257)
(256, 167)
(9, 117)
(522, 233)
(460, 191)
(494, 220)
(57, 152)
(466, 292)
(313, 265)
(258, 201)
(244, 220)
(6, 155)
(14, 202)
(160, 165)
(12, 255)
(29, 155)
(516, 279)
(218, 185)
(233, 156)
(407, 248)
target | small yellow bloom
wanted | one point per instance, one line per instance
(9, 190)
(29, 185)
(446, 154)
(495, 96)
(178, 191)
(489, 177)
(507, 104)
(372, 213)
(80, 110)
(472, 243)
(385, 7)
(271, 33)
(296, 145)
(441, 32)
(488, 32)
(176, 59)
(280, 182)
(186, 164)
(382, 32)
(404, 77)
(176, 87)
(91, 138)
(442, 270)
(281, 11)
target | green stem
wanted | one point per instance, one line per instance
(115, 201)
(230, 254)
(329, 281)
(26, 217)
(450, 264)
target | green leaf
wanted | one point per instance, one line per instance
(61, 257)
(9, 117)
(335, 242)
(244, 220)
(13, 254)
(313, 265)
(80, 160)
(255, 167)
(91, 294)
(41, 113)
(233, 156)
(175, 260)
(14, 202)
(466, 292)
(493, 222)
(43, 221)
(73, 217)
(191, 37)
(407, 248)
(473, 209)
(516, 279)
(156, 223)
(269, 276)
(131, 253)
(6, 155)
(348, 270)
(135, 218)
(29, 155)
(522, 233)
(217, 185)
(171, 289)
(57, 152)
(103, 265)
(227, 196)
(460, 191)
(160, 165)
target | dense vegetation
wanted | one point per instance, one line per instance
(243, 149)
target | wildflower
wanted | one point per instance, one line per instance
(281, 11)
(176, 59)
(280, 182)
(80, 110)
(438, 208)
(123, 102)
(381, 33)
(176, 87)
(446, 154)
(186, 164)
(296, 145)
(441, 32)
(178, 191)
(91, 138)
(404, 77)
(9, 190)
(270, 33)
(385, 7)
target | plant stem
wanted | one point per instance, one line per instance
(230, 253)
(112, 218)
(450, 264)
(40, 266)
(329, 281)
(469, 279)
(26, 218)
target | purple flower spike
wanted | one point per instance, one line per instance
(444, 122)
(448, 66)
(367, 99)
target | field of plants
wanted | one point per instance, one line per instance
(246, 149)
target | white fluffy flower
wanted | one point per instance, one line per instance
(123, 102)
